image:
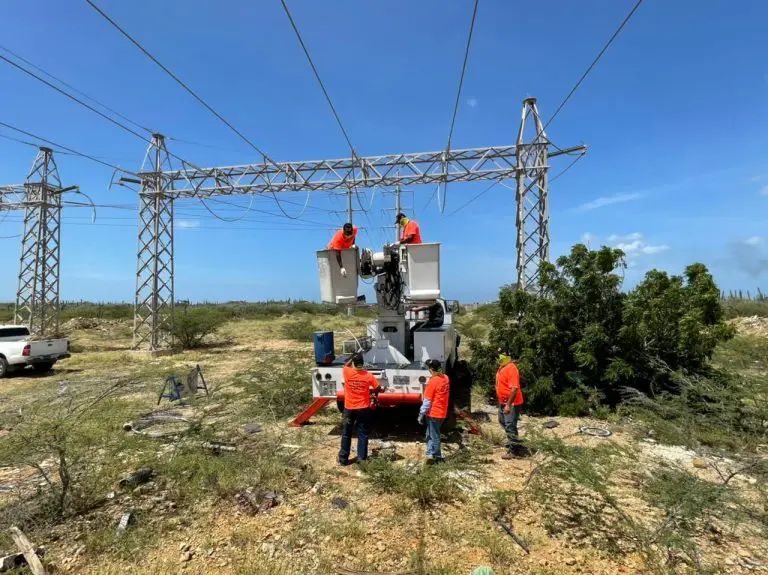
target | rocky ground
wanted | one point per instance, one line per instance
(322, 518)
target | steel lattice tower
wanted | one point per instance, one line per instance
(532, 198)
(153, 311)
(37, 298)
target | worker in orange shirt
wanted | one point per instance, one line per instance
(510, 398)
(358, 384)
(434, 409)
(343, 239)
(411, 233)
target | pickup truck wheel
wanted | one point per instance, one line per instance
(42, 367)
(3, 367)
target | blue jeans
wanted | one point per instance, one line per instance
(433, 437)
(360, 418)
(509, 422)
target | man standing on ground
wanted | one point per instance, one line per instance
(510, 398)
(343, 239)
(434, 409)
(411, 233)
(358, 384)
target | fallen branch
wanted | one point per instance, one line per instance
(24, 545)
(514, 536)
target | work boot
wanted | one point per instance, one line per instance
(430, 460)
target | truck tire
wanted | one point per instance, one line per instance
(3, 367)
(44, 367)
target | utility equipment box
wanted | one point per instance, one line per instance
(334, 288)
(421, 272)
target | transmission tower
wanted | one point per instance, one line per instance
(37, 296)
(153, 305)
(527, 162)
(532, 198)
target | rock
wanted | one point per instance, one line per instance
(252, 428)
(137, 478)
(571, 561)
(339, 503)
(699, 463)
(210, 551)
(186, 556)
(317, 488)
(744, 553)
(184, 547)
(124, 521)
(729, 561)
(380, 546)
(269, 549)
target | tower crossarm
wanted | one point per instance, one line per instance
(468, 165)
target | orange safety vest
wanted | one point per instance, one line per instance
(412, 228)
(357, 388)
(507, 381)
(438, 392)
(340, 242)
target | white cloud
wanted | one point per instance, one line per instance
(587, 238)
(472, 102)
(764, 190)
(630, 248)
(655, 249)
(754, 241)
(634, 236)
(609, 200)
(633, 244)
(187, 224)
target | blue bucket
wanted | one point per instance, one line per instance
(324, 348)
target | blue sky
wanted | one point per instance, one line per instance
(674, 115)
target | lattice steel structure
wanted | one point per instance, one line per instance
(153, 304)
(37, 296)
(532, 198)
(526, 161)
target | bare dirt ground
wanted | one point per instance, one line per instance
(327, 517)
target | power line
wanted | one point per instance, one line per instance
(463, 71)
(594, 62)
(73, 98)
(70, 150)
(317, 75)
(196, 97)
(71, 87)
(465, 204)
(175, 78)
(458, 99)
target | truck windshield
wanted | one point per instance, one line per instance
(13, 332)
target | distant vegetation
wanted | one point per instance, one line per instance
(227, 311)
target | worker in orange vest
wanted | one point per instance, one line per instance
(510, 398)
(411, 233)
(358, 384)
(343, 239)
(434, 409)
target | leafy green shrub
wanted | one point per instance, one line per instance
(299, 329)
(583, 341)
(192, 326)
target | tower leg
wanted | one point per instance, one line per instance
(532, 198)
(154, 301)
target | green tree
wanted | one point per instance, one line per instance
(583, 340)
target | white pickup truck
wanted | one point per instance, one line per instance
(18, 350)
